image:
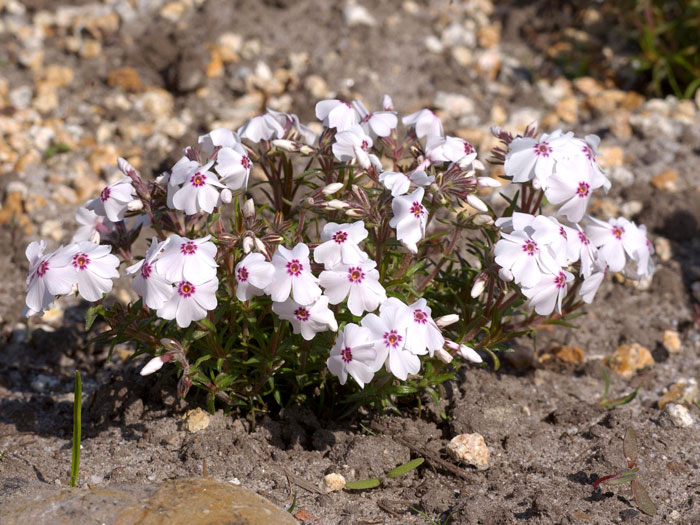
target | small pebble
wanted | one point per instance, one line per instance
(333, 482)
(471, 449)
(628, 359)
(677, 415)
(196, 420)
(672, 341)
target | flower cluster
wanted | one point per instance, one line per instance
(363, 234)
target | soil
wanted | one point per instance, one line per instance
(549, 438)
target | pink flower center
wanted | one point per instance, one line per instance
(420, 317)
(188, 248)
(43, 268)
(617, 232)
(198, 179)
(105, 193)
(245, 162)
(80, 261)
(346, 354)
(294, 268)
(588, 152)
(417, 210)
(365, 146)
(582, 237)
(583, 189)
(468, 148)
(302, 314)
(242, 274)
(355, 274)
(340, 237)
(542, 149)
(145, 270)
(185, 289)
(560, 280)
(392, 339)
(530, 247)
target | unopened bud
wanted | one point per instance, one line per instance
(387, 103)
(332, 188)
(362, 157)
(479, 285)
(226, 196)
(482, 219)
(446, 320)
(353, 213)
(135, 205)
(443, 355)
(336, 204)
(469, 354)
(286, 145)
(505, 274)
(171, 344)
(153, 365)
(487, 182)
(125, 167)
(477, 203)
(248, 209)
(248, 244)
(306, 150)
(260, 246)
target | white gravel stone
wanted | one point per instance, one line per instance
(679, 415)
(471, 449)
(356, 15)
(333, 482)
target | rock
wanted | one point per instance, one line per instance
(569, 354)
(489, 36)
(229, 46)
(21, 97)
(662, 247)
(158, 102)
(58, 76)
(672, 340)
(611, 157)
(665, 180)
(628, 359)
(462, 55)
(567, 109)
(316, 86)
(631, 208)
(355, 14)
(52, 228)
(454, 104)
(433, 45)
(126, 78)
(172, 11)
(196, 420)
(43, 383)
(90, 49)
(489, 63)
(191, 501)
(621, 175)
(333, 482)
(587, 85)
(684, 391)
(676, 415)
(103, 157)
(471, 449)
(11, 207)
(215, 68)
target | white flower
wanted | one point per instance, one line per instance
(293, 128)
(616, 238)
(399, 183)
(262, 127)
(348, 141)
(528, 158)
(148, 283)
(464, 351)
(49, 275)
(307, 320)
(358, 282)
(253, 274)
(293, 275)
(410, 218)
(580, 248)
(353, 353)
(381, 123)
(389, 330)
(219, 137)
(337, 114)
(449, 149)
(187, 260)
(233, 165)
(190, 302)
(425, 122)
(113, 200)
(584, 153)
(549, 292)
(153, 365)
(422, 334)
(91, 226)
(198, 192)
(95, 267)
(519, 253)
(341, 244)
(572, 187)
(592, 281)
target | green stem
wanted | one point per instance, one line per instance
(77, 405)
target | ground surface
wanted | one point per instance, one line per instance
(548, 437)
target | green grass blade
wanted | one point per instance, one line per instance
(406, 467)
(77, 405)
(363, 484)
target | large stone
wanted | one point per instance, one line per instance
(197, 501)
(628, 359)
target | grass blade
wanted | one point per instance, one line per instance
(406, 467)
(77, 406)
(363, 484)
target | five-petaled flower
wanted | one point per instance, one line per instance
(307, 320)
(410, 218)
(353, 353)
(293, 276)
(358, 282)
(148, 282)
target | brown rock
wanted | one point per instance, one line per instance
(58, 76)
(215, 68)
(471, 449)
(611, 157)
(13, 206)
(628, 359)
(632, 100)
(489, 36)
(103, 157)
(567, 109)
(672, 341)
(90, 49)
(587, 85)
(569, 354)
(126, 78)
(196, 420)
(685, 391)
(665, 180)
(605, 102)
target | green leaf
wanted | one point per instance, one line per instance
(622, 478)
(206, 322)
(362, 484)
(629, 447)
(642, 499)
(92, 314)
(406, 467)
(620, 400)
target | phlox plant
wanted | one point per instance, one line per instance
(340, 270)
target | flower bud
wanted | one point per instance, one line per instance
(505, 274)
(477, 203)
(336, 204)
(443, 355)
(469, 354)
(286, 145)
(446, 320)
(226, 196)
(353, 213)
(387, 103)
(248, 244)
(481, 219)
(487, 182)
(135, 205)
(125, 167)
(153, 365)
(332, 188)
(260, 246)
(248, 209)
(479, 285)
(171, 344)
(306, 150)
